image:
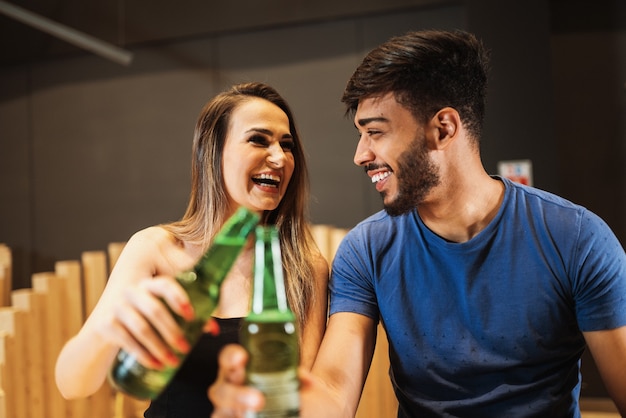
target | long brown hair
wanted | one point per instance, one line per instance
(208, 203)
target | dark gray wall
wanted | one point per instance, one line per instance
(91, 151)
(96, 151)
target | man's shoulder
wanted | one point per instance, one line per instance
(537, 197)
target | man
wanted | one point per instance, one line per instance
(489, 291)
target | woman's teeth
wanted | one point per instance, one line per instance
(267, 180)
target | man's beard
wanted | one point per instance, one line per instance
(416, 176)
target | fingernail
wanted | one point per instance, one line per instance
(156, 364)
(183, 345)
(187, 311)
(172, 359)
(212, 327)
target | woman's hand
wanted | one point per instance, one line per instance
(142, 324)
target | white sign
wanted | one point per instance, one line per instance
(520, 171)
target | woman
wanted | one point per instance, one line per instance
(246, 152)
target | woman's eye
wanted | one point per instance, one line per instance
(258, 139)
(288, 145)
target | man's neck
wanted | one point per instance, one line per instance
(458, 211)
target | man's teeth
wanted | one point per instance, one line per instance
(379, 176)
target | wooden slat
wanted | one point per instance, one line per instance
(6, 269)
(378, 399)
(94, 277)
(12, 323)
(125, 406)
(336, 235)
(4, 377)
(114, 249)
(321, 236)
(69, 276)
(94, 280)
(49, 285)
(31, 304)
(3, 404)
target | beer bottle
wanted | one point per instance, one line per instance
(269, 332)
(202, 284)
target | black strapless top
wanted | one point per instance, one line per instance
(186, 395)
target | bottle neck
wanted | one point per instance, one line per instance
(269, 284)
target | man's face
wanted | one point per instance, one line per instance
(393, 150)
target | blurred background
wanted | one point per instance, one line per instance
(92, 150)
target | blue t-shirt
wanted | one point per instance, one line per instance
(490, 327)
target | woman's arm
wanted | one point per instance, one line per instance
(133, 294)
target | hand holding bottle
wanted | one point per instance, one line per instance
(202, 286)
(232, 397)
(143, 325)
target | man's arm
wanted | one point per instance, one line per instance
(343, 362)
(608, 349)
(331, 390)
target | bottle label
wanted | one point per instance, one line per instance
(282, 399)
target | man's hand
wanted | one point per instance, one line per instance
(230, 397)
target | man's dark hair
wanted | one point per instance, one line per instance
(426, 71)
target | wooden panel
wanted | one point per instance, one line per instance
(5, 402)
(49, 285)
(378, 399)
(114, 250)
(125, 406)
(6, 284)
(94, 277)
(95, 273)
(69, 277)
(31, 303)
(3, 408)
(336, 235)
(321, 236)
(12, 322)
(70, 274)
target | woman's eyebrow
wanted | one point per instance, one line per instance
(268, 132)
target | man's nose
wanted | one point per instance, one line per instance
(363, 154)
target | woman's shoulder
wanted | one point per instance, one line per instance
(154, 237)
(162, 249)
(318, 261)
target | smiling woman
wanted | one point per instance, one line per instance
(258, 155)
(246, 152)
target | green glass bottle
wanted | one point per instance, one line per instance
(270, 334)
(202, 284)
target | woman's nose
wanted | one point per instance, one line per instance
(276, 155)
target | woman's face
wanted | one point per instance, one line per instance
(257, 161)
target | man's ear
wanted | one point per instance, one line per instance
(445, 127)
